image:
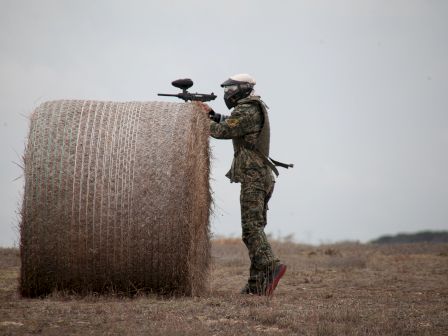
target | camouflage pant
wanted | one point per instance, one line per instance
(255, 195)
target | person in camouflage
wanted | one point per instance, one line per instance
(248, 127)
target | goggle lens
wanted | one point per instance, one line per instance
(230, 88)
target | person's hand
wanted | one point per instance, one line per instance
(203, 106)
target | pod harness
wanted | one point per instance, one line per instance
(262, 145)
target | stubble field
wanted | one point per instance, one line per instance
(341, 289)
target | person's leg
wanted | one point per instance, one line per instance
(253, 218)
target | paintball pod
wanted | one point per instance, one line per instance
(185, 84)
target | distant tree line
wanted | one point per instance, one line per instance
(418, 237)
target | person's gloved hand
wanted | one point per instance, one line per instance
(211, 114)
(203, 106)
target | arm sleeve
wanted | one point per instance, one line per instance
(240, 122)
(216, 117)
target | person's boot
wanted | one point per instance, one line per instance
(247, 289)
(273, 278)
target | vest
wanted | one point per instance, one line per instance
(263, 141)
(264, 137)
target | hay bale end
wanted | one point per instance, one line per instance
(116, 198)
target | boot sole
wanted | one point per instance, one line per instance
(270, 289)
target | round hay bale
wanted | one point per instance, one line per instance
(116, 198)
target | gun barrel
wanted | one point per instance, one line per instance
(167, 95)
(186, 96)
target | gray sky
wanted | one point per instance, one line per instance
(357, 91)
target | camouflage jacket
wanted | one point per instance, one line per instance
(244, 124)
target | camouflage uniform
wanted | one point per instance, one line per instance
(243, 126)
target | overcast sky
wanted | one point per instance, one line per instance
(357, 90)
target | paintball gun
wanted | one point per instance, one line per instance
(185, 84)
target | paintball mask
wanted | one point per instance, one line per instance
(236, 88)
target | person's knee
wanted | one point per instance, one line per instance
(252, 208)
(252, 231)
(254, 215)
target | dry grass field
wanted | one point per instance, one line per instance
(341, 289)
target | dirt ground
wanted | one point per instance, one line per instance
(342, 289)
